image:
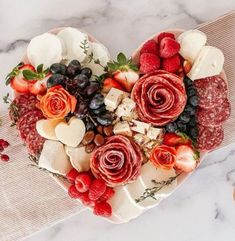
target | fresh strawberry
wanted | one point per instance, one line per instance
(73, 192)
(111, 83)
(172, 64)
(103, 209)
(86, 200)
(39, 87)
(124, 71)
(17, 80)
(97, 189)
(172, 139)
(150, 47)
(109, 193)
(165, 34)
(149, 63)
(83, 182)
(71, 175)
(168, 47)
(126, 78)
(186, 158)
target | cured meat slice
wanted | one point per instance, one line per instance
(23, 103)
(211, 91)
(214, 116)
(34, 142)
(160, 97)
(117, 162)
(209, 137)
(27, 122)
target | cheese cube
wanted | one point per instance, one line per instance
(153, 133)
(113, 99)
(122, 128)
(209, 62)
(139, 126)
(125, 108)
(53, 158)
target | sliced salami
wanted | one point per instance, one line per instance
(117, 162)
(215, 116)
(160, 97)
(34, 142)
(27, 122)
(211, 91)
(209, 137)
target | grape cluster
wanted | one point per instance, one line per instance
(90, 101)
(186, 122)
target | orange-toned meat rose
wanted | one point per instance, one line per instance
(163, 157)
(57, 103)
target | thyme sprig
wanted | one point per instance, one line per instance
(150, 192)
(13, 108)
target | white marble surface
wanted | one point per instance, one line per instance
(201, 209)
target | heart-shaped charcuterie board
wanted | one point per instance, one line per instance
(121, 128)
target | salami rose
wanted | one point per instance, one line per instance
(163, 157)
(160, 97)
(117, 162)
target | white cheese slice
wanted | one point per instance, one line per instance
(113, 99)
(209, 62)
(122, 128)
(99, 52)
(44, 49)
(191, 42)
(153, 133)
(139, 126)
(72, 39)
(79, 158)
(54, 158)
(125, 108)
(122, 206)
(149, 173)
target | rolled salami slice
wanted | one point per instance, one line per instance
(117, 162)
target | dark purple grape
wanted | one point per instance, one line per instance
(105, 119)
(73, 68)
(56, 79)
(81, 81)
(58, 68)
(81, 109)
(89, 125)
(100, 110)
(171, 127)
(87, 71)
(96, 101)
(92, 88)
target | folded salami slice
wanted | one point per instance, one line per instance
(215, 116)
(209, 137)
(160, 97)
(211, 91)
(34, 142)
(117, 162)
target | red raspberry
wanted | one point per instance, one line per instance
(103, 209)
(171, 64)
(150, 47)
(109, 193)
(168, 47)
(5, 158)
(73, 192)
(165, 34)
(86, 201)
(71, 175)
(97, 189)
(83, 182)
(149, 62)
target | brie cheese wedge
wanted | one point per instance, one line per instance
(53, 158)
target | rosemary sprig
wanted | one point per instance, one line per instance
(150, 192)
(13, 108)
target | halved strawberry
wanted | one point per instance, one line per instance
(172, 139)
(39, 87)
(126, 78)
(186, 158)
(111, 83)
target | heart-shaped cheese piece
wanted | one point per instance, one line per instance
(71, 133)
(46, 128)
(209, 62)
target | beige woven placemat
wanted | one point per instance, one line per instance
(31, 200)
